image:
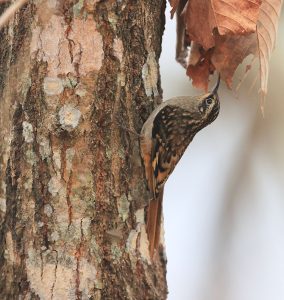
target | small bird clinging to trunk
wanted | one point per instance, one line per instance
(164, 137)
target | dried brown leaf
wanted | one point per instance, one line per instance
(174, 5)
(267, 27)
(235, 39)
(229, 53)
(236, 16)
(195, 53)
(200, 71)
(225, 57)
(182, 42)
(228, 16)
(200, 22)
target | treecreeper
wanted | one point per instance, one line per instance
(164, 137)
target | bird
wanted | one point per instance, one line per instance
(164, 138)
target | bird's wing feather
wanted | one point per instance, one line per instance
(173, 130)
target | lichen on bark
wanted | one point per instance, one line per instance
(73, 196)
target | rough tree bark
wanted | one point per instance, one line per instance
(73, 194)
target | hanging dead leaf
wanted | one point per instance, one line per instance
(183, 42)
(200, 67)
(228, 16)
(236, 16)
(195, 53)
(174, 5)
(224, 32)
(229, 53)
(267, 27)
(200, 22)
(225, 57)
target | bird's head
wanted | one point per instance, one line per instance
(209, 105)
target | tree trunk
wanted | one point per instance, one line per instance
(73, 195)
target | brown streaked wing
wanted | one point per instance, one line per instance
(173, 130)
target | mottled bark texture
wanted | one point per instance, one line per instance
(73, 196)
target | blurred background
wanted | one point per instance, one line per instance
(224, 203)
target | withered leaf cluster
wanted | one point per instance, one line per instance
(222, 33)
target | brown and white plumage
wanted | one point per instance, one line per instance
(164, 138)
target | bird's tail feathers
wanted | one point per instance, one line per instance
(154, 216)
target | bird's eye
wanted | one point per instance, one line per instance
(209, 101)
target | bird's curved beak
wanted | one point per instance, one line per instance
(215, 89)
